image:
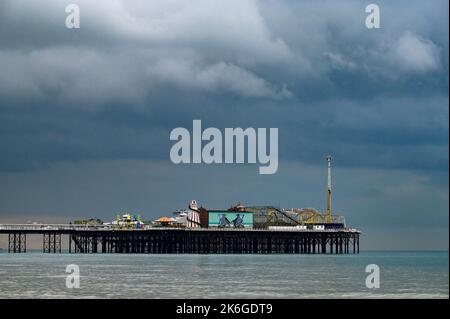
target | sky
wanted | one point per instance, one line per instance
(86, 114)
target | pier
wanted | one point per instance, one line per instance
(197, 230)
(160, 240)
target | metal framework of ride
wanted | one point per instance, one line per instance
(264, 216)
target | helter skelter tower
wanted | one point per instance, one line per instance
(193, 217)
(329, 190)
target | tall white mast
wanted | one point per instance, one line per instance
(329, 190)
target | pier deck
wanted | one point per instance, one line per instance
(91, 239)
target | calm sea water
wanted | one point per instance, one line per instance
(403, 275)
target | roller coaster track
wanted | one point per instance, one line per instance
(267, 208)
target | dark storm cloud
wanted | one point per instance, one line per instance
(135, 70)
(253, 49)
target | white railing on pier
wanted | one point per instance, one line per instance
(68, 227)
(51, 227)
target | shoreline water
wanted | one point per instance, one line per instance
(419, 274)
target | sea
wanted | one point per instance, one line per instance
(402, 274)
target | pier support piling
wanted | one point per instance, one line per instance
(17, 242)
(51, 242)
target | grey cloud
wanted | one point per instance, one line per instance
(292, 50)
(193, 39)
(221, 77)
(417, 54)
(408, 53)
(88, 77)
(340, 62)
